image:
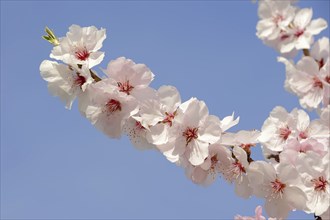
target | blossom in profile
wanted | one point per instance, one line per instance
(320, 51)
(80, 46)
(109, 109)
(66, 82)
(130, 78)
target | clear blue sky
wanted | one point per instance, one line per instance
(54, 164)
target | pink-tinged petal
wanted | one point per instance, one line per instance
(158, 134)
(303, 42)
(95, 58)
(242, 188)
(228, 122)
(199, 175)
(295, 197)
(308, 65)
(316, 26)
(312, 99)
(287, 47)
(211, 132)
(303, 17)
(258, 212)
(241, 156)
(277, 208)
(170, 97)
(199, 151)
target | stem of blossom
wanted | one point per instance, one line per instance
(306, 52)
(275, 156)
(94, 76)
(317, 217)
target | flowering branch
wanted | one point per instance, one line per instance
(295, 174)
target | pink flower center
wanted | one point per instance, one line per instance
(238, 168)
(285, 133)
(125, 87)
(79, 81)
(303, 135)
(82, 54)
(277, 187)
(190, 134)
(299, 33)
(139, 126)
(214, 161)
(317, 83)
(169, 118)
(113, 106)
(320, 184)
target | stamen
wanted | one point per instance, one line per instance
(278, 188)
(113, 106)
(82, 54)
(125, 87)
(285, 132)
(320, 184)
(168, 119)
(190, 134)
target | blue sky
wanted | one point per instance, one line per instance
(55, 165)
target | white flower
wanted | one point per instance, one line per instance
(206, 173)
(137, 134)
(310, 83)
(277, 129)
(281, 188)
(234, 169)
(195, 131)
(131, 78)
(316, 175)
(275, 17)
(109, 109)
(300, 33)
(159, 115)
(80, 46)
(64, 81)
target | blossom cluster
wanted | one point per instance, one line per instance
(295, 175)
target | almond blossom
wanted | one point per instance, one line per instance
(234, 169)
(109, 109)
(80, 46)
(130, 78)
(206, 173)
(275, 16)
(277, 129)
(282, 188)
(195, 131)
(299, 35)
(316, 175)
(66, 82)
(309, 82)
(137, 134)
